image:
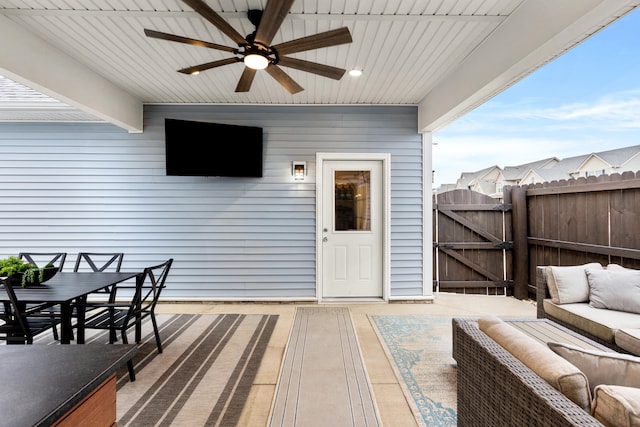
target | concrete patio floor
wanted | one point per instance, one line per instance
(392, 405)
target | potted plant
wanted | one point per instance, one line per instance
(17, 269)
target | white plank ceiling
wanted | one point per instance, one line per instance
(410, 51)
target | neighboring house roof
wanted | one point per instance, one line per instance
(537, 177)
(564, 169)
(445, 187)
(551, 175)
(549, 169)
(468, 178)
(515, 173)
(620, 156)
(486, 186)
(612, 159)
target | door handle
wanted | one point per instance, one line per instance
(324, 239)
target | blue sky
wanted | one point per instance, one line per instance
(585, 101)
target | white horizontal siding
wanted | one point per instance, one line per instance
(94, 187)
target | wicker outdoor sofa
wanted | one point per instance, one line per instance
(496, 389)
(618, 330)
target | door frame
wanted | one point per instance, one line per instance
(385, 158)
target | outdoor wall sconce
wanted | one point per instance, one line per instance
(298, 169)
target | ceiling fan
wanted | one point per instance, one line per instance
(255, 49)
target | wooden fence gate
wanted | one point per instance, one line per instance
(473, 244)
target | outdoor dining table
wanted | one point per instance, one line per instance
(67, 289)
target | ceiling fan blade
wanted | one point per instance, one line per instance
(209, 65)
(283, 78)
(210, 15)
(316, 41)
(186, 40)
(246, 79)
(274, 13)
(312, 67)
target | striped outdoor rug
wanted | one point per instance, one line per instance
(202, 378)
(323, 380)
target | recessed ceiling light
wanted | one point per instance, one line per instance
(355, 73)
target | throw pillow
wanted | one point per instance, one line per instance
(569, 284)
(617, 267)
(556, 371)
(614, 289)
(617, 406)
(601, 367)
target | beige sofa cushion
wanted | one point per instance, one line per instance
(617, 267)
(569, 284)
(614, 289)
(601, 367)
(629, 339)
(558, 372)
(617, 406)
(599, 322)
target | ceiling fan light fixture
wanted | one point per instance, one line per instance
(256, 61)
(255, 49)
(355, 72)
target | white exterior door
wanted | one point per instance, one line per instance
(352, 229)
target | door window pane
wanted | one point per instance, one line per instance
(352, 200)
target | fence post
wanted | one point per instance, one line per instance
(520, 243)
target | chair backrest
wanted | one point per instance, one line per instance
(99, 261)
(153, 284)
(16, 327)
(146, 292)
(138, 301)
(41, 259)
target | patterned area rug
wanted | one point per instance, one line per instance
(419, 348)
(204, 375)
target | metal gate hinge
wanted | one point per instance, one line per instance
(505, 283)
(508, 245)
(504, 207)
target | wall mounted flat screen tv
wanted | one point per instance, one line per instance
(212, 149)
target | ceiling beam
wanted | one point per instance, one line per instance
(536, 33)
(29, 60)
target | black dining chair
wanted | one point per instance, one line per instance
(129, 305)
(99, 262)
(20, 323)
(43, 259)
(94, 262)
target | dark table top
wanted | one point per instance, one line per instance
(65, 287)
(40, 383)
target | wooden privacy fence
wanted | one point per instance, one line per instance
(594, 219)
(472, 247)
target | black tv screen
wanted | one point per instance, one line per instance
(212, 149)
